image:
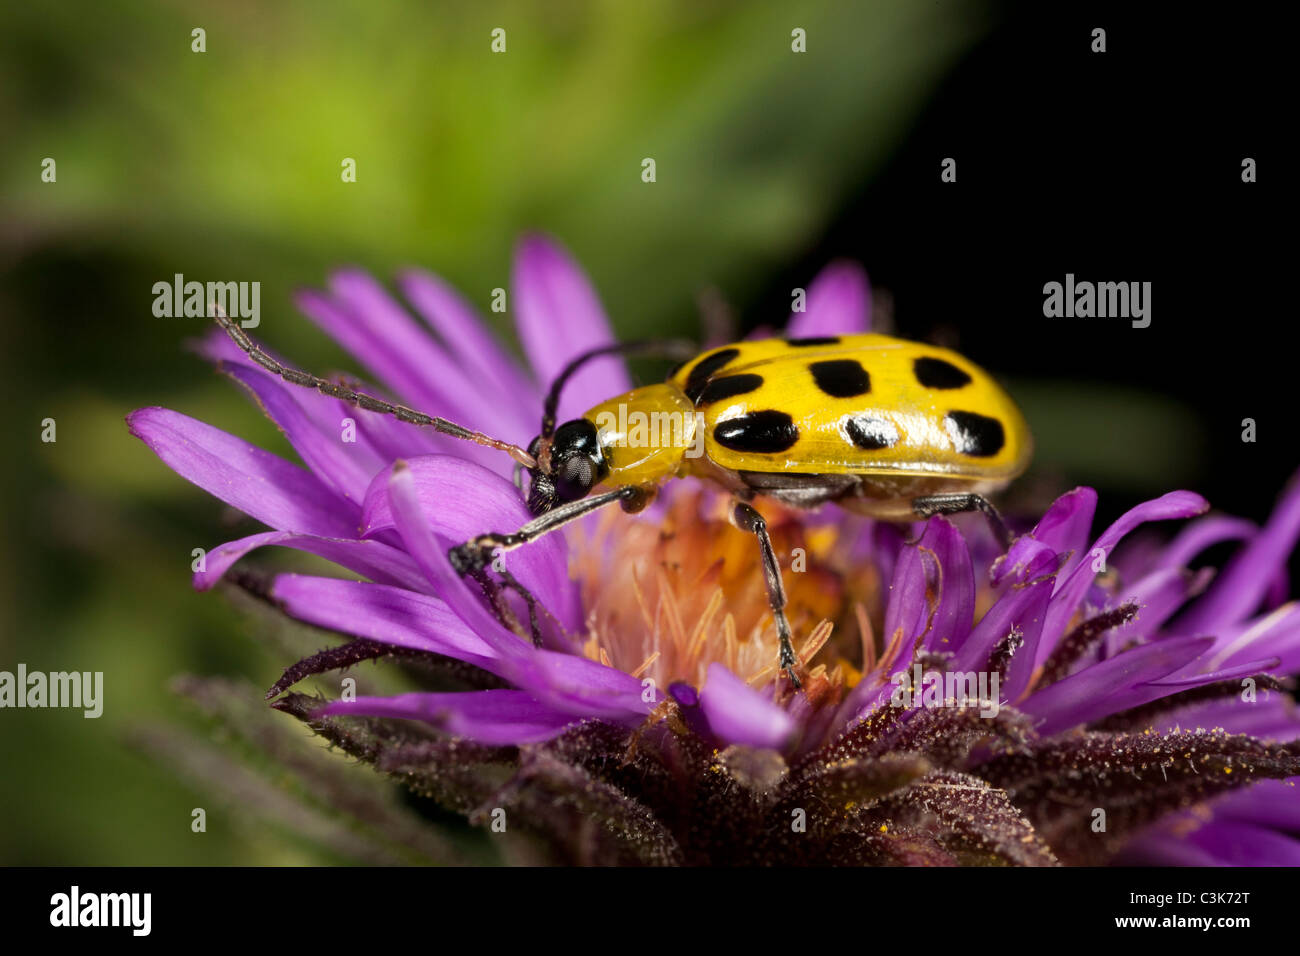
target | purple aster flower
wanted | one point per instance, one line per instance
(1076, 699)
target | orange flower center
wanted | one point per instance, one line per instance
(665, 600)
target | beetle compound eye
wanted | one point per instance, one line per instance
(574, 478)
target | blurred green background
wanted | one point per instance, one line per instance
(226, 165)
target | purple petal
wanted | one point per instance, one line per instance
(1026, 560)
(390, 615)
(331, 459)
(1022, 608)
(739, 714)
(558, 316)
(1200, 678)
(1268, 803)
(915, 582)
(438, 376)
(915, 575)
(1158, 595)
(1159, 847)
(563, 681)
(584, 687)
(1073, 586)
(466, 337)
(1277, 634)
(258, 483)
(688, 703)
(460, 501)
(374, 559)
(1279, 589)
(1065, 526)
(380, 438)
(936, 571)
(838, 303)
(412, 523)
(1241, 587)
(885, 546)
(500, 717)
(684, 694)
(324, 412)
(392, 439)
(951, 623)
(368, 341)
(1233, 843)
(1223, 841)
(1112, 685)
(1202, 534)
(371, 343)
(1139, 554)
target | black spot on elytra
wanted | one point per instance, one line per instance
(841, 378)
(937, 373)
(763, 432)
(727, 386)
(871, 433)
(814, 340)
(975, 435)
(699, 375)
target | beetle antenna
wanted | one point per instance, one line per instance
(361, 400)
(665, 348)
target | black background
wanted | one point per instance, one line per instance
(1120, 166)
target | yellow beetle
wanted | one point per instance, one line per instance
(890, 428)
(869, 421)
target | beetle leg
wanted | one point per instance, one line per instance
(472, 558)
(503, 610)
(748, 519)
(959, 502)
(476, 554)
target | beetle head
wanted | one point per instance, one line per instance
(569, 465)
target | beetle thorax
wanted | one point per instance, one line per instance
(646, 434)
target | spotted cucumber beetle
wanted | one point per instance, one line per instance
(885, 427)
